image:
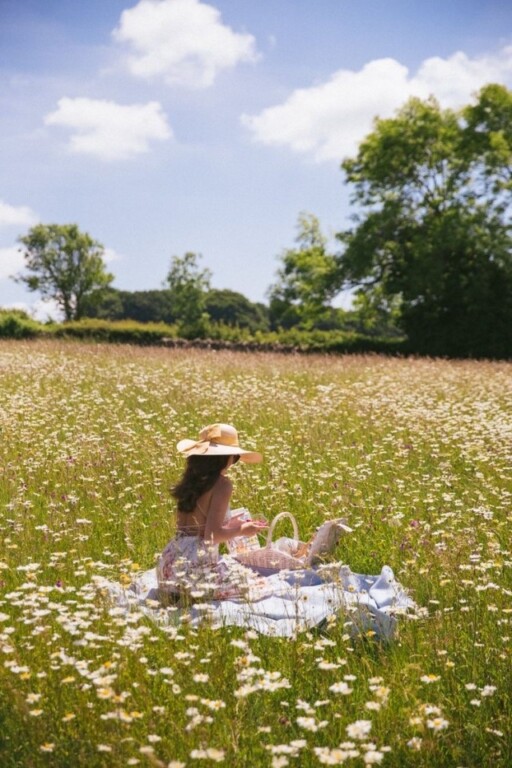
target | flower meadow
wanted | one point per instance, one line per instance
(416, 454)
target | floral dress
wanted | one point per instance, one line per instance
(192, 567)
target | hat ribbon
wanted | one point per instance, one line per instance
(209, 437)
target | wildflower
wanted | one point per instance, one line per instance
(341, 687)
(104, 748)
(68, 717)
(359, 730)
(104, 693)
(199, 678)
(310, 724)
(35, 712)
(488, 690)
(373, 757)
(280, 749)
(430, 678)
(437, 724)
(327, 665)
(217, 755)
(335, 756)
(431, 709)
(48, 746)
(415, 743)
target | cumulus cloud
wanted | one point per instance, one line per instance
(42, 309)
(182, 41)
(328, 120)
(110, 255)
(11, 261)
(110, 131)
(16, 216)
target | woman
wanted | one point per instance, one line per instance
(189, 563)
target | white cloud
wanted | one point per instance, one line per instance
(183, 41)
(11, 261)
(109, 255)
(328, 120)
(18, 216)
(108, 130)
(42, 309)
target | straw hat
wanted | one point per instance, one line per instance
(218, 440)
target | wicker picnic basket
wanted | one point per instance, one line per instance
(269, 559)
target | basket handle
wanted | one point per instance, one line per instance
(280, 516)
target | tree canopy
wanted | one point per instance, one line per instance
(233, 308)
(307, 279)
(433, 231)
(64, 264)
(188, 284)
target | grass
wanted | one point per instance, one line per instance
(414, 453)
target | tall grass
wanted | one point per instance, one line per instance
(415, 453)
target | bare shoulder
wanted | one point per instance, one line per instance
(223, 487)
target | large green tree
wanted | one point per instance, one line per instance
(306, 280)
(433, 228)
(188, 285)
(64, 264)
(233, 308)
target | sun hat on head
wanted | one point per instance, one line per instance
(218, 440)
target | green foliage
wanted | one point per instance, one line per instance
(434, 229)
(233, 308)
(122, 331)
(375, 313)
(16, 324)
(306, 281)
(66, 265)
(152, 306)
(20, 313)
(188, 285)
(340, 342)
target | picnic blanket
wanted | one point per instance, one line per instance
(282, 604)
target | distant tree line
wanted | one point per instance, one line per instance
(224, 306)
(428, 257)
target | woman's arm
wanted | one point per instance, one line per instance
(215, 530)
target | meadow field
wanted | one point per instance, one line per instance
(416, 454)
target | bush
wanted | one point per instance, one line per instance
(341, 342)
(122, 331)
(16, 324)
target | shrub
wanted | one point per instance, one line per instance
(122, 331)
(16, 324)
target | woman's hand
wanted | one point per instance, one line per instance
(234, 522)
(252, 527)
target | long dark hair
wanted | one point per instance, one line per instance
(201, 474)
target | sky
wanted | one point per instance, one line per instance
(166, 126)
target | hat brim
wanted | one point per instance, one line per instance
(216, 449)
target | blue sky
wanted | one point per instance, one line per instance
(172, 125)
